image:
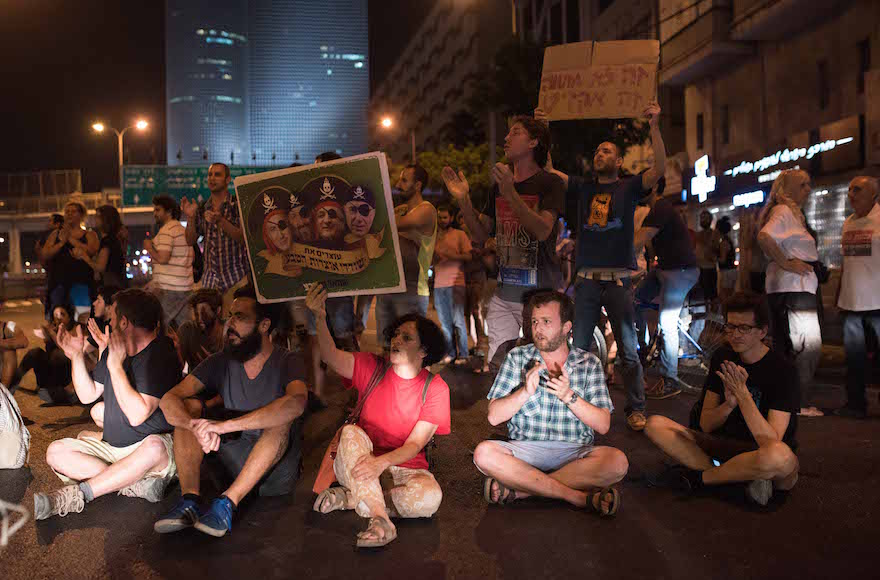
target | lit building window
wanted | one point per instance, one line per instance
(329, 71)
(358, 65)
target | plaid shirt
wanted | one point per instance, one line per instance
(544, 417)
(226, 259)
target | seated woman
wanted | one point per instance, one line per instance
(381, 463)
(51, 368)
(12, 338)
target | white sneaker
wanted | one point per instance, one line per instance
(59, 502)
(151, 489)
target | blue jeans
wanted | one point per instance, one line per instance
(390, 307)
(589, 297)
(672, 286)
(340, 317)
(450, 303)
(856, 326)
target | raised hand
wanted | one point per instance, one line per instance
(652, 113)
(189, 208)
(117, 352)
(71, 344)
(211, 216)
(79, 253)
(316, 300)
(504, 178)
(456, 183)
(533, 378)
(540, 115)
(100, 338)
(735, 380)
(559, 386)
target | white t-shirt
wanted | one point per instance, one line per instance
(860, 246)
(795, 242)
(177, 273)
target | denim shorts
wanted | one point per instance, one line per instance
(547, 455)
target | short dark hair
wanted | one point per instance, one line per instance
(272, 312)
(723, 225)
(543, 297)
(107, 293)
(169, 204)
(536, 130)
(225, 167)
(211, 296)
(420, 174)
(431, 338)
(327, 156)
(141, 308)
(447, 207)
(57, 218)
(749, 302)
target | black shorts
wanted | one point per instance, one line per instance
(722, 448)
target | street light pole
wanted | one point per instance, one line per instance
(140, 125)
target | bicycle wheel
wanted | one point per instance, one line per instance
(694, 368)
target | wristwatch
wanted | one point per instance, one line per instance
(573, 399)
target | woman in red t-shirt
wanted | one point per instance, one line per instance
(404, 410)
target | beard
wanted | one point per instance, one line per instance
(246, 349)
(550, 344)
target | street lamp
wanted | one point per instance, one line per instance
(387, 122)
(140, 125)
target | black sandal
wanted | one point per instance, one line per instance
(503, 498)
(603, 496)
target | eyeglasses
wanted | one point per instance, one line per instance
(280, 224)
(363, 209)
(739, 328)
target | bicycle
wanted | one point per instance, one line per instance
(696, 352)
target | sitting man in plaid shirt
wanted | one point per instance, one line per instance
(553, 397)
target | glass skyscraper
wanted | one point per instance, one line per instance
(264, 81)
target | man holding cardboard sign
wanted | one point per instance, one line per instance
(606, 258)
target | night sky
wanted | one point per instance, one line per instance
(66, 63)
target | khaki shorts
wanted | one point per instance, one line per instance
(110, 455)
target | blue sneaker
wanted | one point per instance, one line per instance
(184, 515)
(217, 520)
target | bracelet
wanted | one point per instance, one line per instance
(573, 399)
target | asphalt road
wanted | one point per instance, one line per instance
(825, 528)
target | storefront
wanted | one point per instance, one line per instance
(737, 188)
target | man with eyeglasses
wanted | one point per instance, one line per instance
(743, 429)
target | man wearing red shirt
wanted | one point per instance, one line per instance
(403, 410)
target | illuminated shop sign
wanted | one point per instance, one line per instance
(747, 199)
(786, 156)
(702, 184)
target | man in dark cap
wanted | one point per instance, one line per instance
(360, 210)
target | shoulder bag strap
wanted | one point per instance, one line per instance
(378, 374)
(428, 380)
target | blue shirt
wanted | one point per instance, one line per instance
(605, 222)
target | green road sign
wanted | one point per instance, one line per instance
(140, 183)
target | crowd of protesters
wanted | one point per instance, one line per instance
(193, 358)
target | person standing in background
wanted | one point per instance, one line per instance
(452, 251)
(726, 258)
(172, 260)
(108, 264)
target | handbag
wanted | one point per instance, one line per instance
(326, 476)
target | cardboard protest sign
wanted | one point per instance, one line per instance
(331, 223)
(599, 80)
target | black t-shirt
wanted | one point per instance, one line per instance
(524, 263)
(605, 222)
(153, 371)
(114, 274)
(226, 376)
(773, 383)
(672, 244)
(728, 249)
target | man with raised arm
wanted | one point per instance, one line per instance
(553, 398)
(133, 455)
(217, 219)
(606, 258)
(263, 402)
(524, 205)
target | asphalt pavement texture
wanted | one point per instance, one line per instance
(826, 527)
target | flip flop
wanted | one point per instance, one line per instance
(603, 496)
(385, 525)
(330, 500)
(482, 371)
(503, 498)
